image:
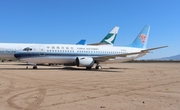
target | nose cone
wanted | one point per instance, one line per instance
(21, 55)
(17, 55)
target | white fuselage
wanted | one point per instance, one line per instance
(7, 50)
(67, 54)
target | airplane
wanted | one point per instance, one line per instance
(108, 40)
(86, 55)
(7, 50)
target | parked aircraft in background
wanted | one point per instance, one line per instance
(86, 55)
(81, 42)
(109, 39)
(7, 50)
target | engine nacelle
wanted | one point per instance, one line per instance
(84, 61)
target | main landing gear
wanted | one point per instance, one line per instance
(34, 66)
(88, 68)
(98, 66)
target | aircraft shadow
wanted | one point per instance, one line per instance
(93, 69)
(69, 68)
(29, 69)
(117, 68)
(65, 68)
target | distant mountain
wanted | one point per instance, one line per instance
(176, 57)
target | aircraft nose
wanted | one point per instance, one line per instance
(16, 55)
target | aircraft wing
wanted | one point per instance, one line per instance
(154, 48)
(104, 58)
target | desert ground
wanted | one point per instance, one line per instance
(123, 86)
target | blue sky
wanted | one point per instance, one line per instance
(68, 21)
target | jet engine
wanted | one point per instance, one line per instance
(84, 61)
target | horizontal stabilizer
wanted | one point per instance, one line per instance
(103, 58)
(147, 50)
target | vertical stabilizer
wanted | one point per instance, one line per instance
(81, 42)
(110, 37)
(142, 38)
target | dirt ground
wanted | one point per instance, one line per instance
(124, 86)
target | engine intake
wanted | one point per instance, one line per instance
(84, 61)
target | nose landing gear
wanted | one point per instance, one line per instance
(34, 66)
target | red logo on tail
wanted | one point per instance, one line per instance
(143, 38)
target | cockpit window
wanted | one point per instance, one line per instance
(27, 49)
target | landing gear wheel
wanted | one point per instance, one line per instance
(98, 67)
(35, 67)
(26, 67)
(88, 68)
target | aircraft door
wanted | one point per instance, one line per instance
(41, 51)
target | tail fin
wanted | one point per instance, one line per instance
(81, 42)
(142, 38)
(110, 37)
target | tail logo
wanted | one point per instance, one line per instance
(110, 39)
(143, 38)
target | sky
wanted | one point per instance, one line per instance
(68, 21)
